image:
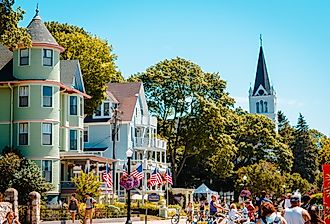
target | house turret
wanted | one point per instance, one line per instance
(42, 60)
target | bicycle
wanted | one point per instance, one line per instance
(176, 217)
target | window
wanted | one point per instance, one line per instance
(73, 105)
(24, 57)
(47, 134)
(23, 134)
(73, 140)
(47, 96)
(98, 111)
(257, 105)
(81, 100)
(261, 106)
(47, 170)
(115, 133)
(86, 134)
(106, 109)
(48, 57)
(23, 96)
(266, 107)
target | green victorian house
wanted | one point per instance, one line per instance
(42, 101)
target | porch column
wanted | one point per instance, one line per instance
(97, 170)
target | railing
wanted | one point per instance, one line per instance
(149, 143)
(145, 120)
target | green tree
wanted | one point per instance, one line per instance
(183, 96)
(256, 139)
(87, 183)
(96, 59)
(305, 152)
(21, 174)
(324, 153)
(11, 35)
(285, 130)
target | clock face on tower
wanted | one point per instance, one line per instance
(261, 92)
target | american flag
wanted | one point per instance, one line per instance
(168, 176)
(156, 178)
(107, 177)
(138, 172)
(125, 170)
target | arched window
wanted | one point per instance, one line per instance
(257, 105)
(266, 107)
(262, 106)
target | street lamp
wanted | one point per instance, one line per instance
(129, 154)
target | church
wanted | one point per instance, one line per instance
(262, 97)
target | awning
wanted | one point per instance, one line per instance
(83, 157)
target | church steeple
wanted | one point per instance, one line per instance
(262, 97)
(262, 75)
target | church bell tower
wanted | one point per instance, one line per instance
(262, 97)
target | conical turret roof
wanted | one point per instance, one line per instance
(261, 74)
(40, 35)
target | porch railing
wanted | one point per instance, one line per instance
(140, 142)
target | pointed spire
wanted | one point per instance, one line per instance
(37, 10)
(261, 74)
(260, 40)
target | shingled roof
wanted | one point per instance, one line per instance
(40, 34)
(126, 94)
(262, 74)
(71, 75)
(6, 64)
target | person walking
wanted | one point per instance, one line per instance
(269, 215)
(73, 207)
(90, 202)
(214, 206)
(296, 214)
(314, 213)
(10, 219)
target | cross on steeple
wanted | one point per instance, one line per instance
(37, 10)
(261, 40)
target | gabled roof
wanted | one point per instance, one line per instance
(40, 35)
(262, 74)
(6, 64)
(126, 94)
(71, 75)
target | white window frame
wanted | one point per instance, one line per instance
(43, 57)
(76, 105)
(19, 56)
(19, 95)
(51, 134)
(81, 140)
(102, 110)
(19, 132)
(42, 96)
(77, 138)
(51, 170)
(81, 106)
(86, 129)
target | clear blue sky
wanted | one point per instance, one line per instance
(221, 36)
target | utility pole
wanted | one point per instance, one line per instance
(114, 139)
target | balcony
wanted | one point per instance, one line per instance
(149, 143)
(145, 121)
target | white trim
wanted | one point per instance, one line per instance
(36, 121)
(42, 95)
(52, 134)
(77, 139)
(102, 110)
(28, 123)
(29, 95)
(41, 168)
(5, 122)
(44, 158)
(19, 57)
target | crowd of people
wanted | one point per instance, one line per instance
(289, 209)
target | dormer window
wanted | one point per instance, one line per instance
(24, 55)
(48, 57)
(103, 110)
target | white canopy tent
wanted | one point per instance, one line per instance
(203, 190)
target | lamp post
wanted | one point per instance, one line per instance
(129, 154)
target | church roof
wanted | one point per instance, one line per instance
(262, 74)
(40, 35)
